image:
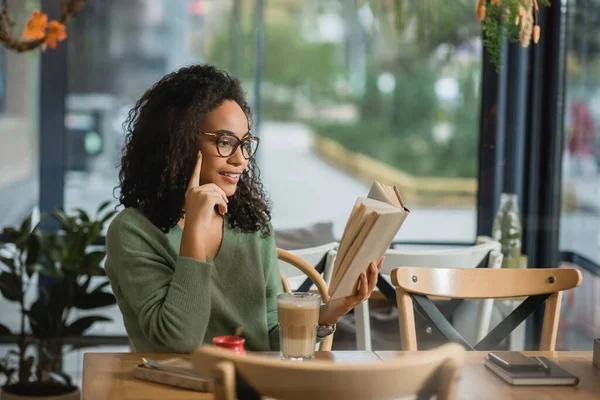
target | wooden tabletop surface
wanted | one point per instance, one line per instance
(110, 376)
(477, 382)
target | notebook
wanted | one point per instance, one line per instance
(178, 372)
(555, 376)
(372, 225)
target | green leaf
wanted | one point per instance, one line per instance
(9, 262)
(96, 271)
(103, 206)
(31, 269)
(94, 232)
(4, 331)
(34, 247)
(93, 259)
(93, 300)
(62, 219)
(83, 215)
(101, 286)
(10, 234)
(39, 320)
(26, 226)
(78, 327)
(10, 286)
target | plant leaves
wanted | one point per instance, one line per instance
(103, 206)
(34, 247)
(58, 297)
(39, 320)
(83, 215)
(4, 331)
(93, 259)
(96, 271)
(82, 324)
(10, 286)
(9, 262)
(26, 226)
(93, 300)
(62, 219)
(101, 286)
(94, 232)
(10, 235)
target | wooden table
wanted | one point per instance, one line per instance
(110, 376)
(477, 382)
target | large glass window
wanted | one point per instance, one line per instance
(580, 217)
(348, 94)
(353, 92)
(19, 147)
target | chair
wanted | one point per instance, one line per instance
(322, 257)
(429, 372)
(485, 254)
(414, 284)
(287, 258)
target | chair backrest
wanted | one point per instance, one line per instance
(462, 257)
(312, 256)
(538, 285)
(434, 371)
(305, 268)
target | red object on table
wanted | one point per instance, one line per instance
(234, 343)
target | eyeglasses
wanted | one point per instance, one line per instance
(227, 144)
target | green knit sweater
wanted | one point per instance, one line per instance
(174, 304)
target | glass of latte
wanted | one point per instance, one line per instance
(298, 320)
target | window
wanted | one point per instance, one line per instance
(345, 99)
(19, 150)
(580, 217)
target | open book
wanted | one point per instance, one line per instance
(371, 227)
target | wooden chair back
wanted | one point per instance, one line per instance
(432, 372)
(483, 283)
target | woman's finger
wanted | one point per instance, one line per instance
(195, 180)
(220, 203)
(216, 188)
(373, 271)
(380, 263)
(363, 292)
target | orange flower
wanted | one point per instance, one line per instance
(56, 33)
(36, 26)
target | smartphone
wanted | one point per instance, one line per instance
(514, 361)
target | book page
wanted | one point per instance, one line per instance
(363, 231)
(372, 247)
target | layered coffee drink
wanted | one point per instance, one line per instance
(298, 320)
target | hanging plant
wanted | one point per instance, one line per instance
(38, 31)
(517, 20)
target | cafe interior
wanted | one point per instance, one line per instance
(456, 141)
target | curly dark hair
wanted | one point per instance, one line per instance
(160, 149)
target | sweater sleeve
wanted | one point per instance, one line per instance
(163, 298)
(274, 287)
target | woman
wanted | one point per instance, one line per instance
(192, 256)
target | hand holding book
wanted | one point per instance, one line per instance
(335, 309)
(371, 228)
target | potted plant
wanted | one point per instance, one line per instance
(64, 263)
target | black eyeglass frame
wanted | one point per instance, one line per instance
(247, 138)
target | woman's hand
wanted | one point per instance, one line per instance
(200, 201)
(333, 311)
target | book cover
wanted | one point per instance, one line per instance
(373, 223)
(553, 376)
